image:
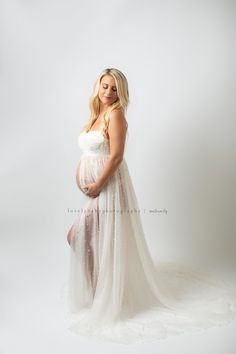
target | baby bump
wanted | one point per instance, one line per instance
(88, 171)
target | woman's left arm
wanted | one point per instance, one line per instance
(117, 134)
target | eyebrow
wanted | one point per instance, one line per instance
(104, 83)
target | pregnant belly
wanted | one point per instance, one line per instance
(88, 170)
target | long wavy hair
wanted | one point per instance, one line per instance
(121, 102)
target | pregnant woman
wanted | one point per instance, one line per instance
(114, 290)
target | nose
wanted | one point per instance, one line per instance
(109, 92)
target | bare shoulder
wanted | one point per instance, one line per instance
(117, 118)
(117, 132)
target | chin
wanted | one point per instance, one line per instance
(107, 103)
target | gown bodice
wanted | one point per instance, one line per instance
(93, 143)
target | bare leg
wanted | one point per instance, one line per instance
(70, 235)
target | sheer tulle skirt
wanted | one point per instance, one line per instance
(114, 290)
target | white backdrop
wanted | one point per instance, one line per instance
(178, 58)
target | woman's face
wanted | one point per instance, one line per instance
(107, 90)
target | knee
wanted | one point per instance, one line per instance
(69, 235)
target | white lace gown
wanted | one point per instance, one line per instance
(114, 290)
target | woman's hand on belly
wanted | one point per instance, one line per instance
(92, 189)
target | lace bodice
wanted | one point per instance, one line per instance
(93, 143)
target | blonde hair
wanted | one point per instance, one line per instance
(121, 102)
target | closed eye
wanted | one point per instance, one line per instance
(106, 86)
